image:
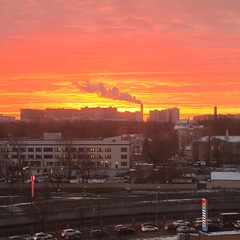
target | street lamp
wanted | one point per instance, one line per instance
(84, 196)
(167, 191)
(63, 178)
(93, 212)
(157, 205)
(155, 174)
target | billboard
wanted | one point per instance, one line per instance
(204, 215)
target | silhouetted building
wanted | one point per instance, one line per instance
(32, 114)
(167, 115)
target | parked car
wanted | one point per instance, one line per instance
(70, 231)
(46, 238)
(15, 238)
(198, 222)
(214, 227)
(149, 228)
(72, 236)
(181, 223)
(185, 229)
(98, 233)
(29, 238)
(148, 224)
(170, 226)
(40, 235)
(237, 225)
(125, 230)
(118, 226)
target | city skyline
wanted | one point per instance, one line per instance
(163, 54)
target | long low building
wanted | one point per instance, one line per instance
(224, 180)
(53, 155)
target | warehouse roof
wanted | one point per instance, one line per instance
(225, 176)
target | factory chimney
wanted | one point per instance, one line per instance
(215, 113)
(141, 110)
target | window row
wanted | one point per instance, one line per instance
(59, 149)
(59, 164)
(62, 156)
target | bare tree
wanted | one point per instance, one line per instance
(39, 207)
(17, 159)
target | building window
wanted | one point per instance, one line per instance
(81, 156)
(6, 149)
(81, 149)
(48, 149)
(38, 156)
(123, 149)
(30, 156)
(30, 149)
(99, 156)
(123, 156)
(100, 149)
(38, 149)
(57, 149)
(124, 164)
(108, 156)
(108, 149)
(91, 149)
(22, 149)
(35, 163)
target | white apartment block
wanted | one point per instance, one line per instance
(48, 155)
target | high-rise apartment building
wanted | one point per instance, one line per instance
(31, 114)
(167, 115)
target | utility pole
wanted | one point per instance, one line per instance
(157, 205)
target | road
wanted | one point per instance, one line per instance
(78, 199)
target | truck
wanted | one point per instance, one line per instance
(228, 218)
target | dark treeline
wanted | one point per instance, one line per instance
(218, 127)
(84, 129)
(96, 129)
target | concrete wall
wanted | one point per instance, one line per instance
(224, 184)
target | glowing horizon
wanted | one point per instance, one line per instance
(164, 54)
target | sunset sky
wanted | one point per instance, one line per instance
(120, 53)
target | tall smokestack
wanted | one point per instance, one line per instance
(141, 110)
(215, 113)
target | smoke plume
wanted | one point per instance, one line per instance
(101, 91)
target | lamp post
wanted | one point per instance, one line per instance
(63, 178)
(93, 212)
(84, 196)
(155, 174)
(157, 205)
